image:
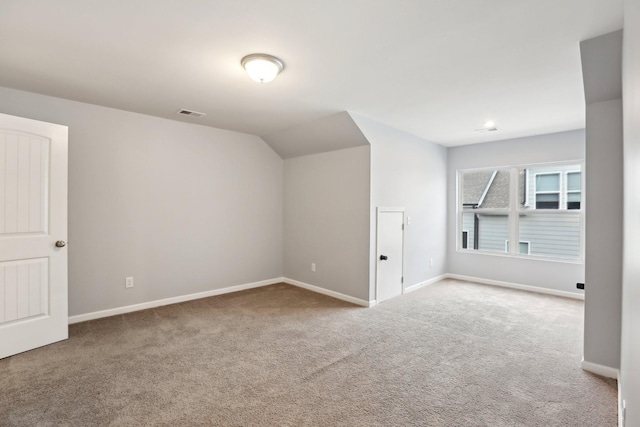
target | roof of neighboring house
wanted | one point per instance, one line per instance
(474, 185)
(481, 191)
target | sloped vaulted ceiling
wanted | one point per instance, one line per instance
(330, 133)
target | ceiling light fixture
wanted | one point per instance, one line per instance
(262, 67)
(489, 126)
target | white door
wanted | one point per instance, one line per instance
(390, 237)
(33, 220)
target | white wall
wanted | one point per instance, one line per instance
(630, 350)
(558, 276)
(182, 208)
(411, 173)
(326, 220)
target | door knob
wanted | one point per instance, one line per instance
(60, 244)
(383, 257)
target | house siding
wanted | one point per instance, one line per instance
(493, 233)
(554, 235)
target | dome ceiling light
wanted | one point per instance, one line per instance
(262, 67)
(489, 126)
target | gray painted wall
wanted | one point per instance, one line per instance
(564, 146)
(326, 220)
(409, 172)
(602, 72)
(182, 208)
(603, 252)
(630, 352)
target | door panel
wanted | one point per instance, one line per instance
(23, 185)
(33, 216)
(390, 236)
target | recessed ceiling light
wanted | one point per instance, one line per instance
(262, 67)
(489, 124)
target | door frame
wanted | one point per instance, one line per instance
(380, 210)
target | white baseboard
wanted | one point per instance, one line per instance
(327, 292)
(601, 370)
(173, 300)
(621, 408)
(516, 286)
(425, 283)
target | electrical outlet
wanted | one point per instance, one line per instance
(128, 282)
(313, 267)
(430, 262)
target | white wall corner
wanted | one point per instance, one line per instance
(334, 294)
(602, 370)
(425, 283)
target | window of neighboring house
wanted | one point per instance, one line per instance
(574, 190)
(548, 191)
(538, 206)
(524, 247)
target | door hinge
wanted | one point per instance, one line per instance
(402, 279)
(403, 226)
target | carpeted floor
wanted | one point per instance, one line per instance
(452, 354)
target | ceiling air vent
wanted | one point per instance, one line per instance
(191, 113)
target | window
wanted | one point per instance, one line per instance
(538, 206)
(574, 190)
(548, 191)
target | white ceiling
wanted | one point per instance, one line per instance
(435, 68)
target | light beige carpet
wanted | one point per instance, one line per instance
(453, 354)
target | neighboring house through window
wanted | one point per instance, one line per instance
(494, 209)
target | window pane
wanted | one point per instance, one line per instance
(548, 201)
(485, 232)
(574, 181)
(489, 189)
(552, 235)
(524, 248)
(468, 231)
(573, 200)
(549, 182)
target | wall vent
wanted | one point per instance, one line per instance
(191, 113)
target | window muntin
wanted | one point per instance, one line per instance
(541, 230)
